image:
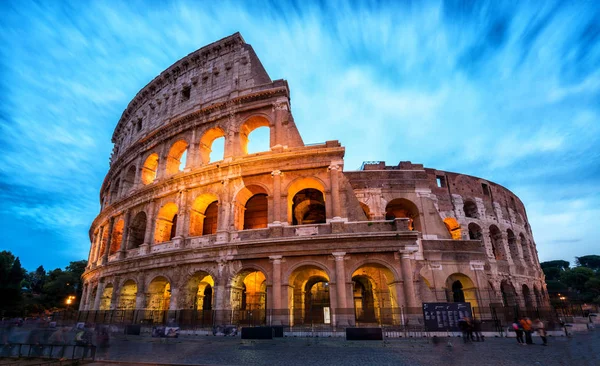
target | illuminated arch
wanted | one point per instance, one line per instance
(251, 208)
(453, 228)
(309, 286)
(158, 295)
(295, 206)
(166, 223)
(250, 125)
(117, 236)
(137, 230)
(206, 143)
(177, 155)
(204, 215)
(149, 169)
(403, 208)
(460, 288)
(128, 295)
(374, 293)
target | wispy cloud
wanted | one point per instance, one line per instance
(506, 91)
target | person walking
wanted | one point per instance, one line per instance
(464, 326)
(538, 325)
(518, 331)
(527, 329)
(477, 330)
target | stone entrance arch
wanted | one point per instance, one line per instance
(374, 294)
(310, 295)
(106, 297)
(249, 297)
(403, 208)
(509, 295)
(158, 296)
(460, 288)
(127, 296)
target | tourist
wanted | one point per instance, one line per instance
(538, 325)
(518, 331)
(527, 329)
(463, 325)
(477, 330)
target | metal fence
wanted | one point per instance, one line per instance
(49, 351)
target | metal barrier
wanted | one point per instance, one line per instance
(49, 351)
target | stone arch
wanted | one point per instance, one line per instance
(198, 292)
(404, 208)
(117, 236)
(539, 299)
(497, 243)
(470, 209)
(251, 124)
(177, 154)
(512, 245)
(509, 295)
(306, 263)
(204, 215)
(206, 142)
(526, 250)
(106, 297)
(309, 285)
(128, 294)
(129, 180)
(460, 288)
(527, 296)
(306, 201)
(137, 230)
(366, 210)
(251, 204)
(475, 232)
(149, 169)
(249, 295)
(453, 228)
(374, 293)
(114, 191)
(166, 223)
(158, 294)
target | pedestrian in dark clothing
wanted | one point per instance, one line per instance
(477, 330)
(518, 331)
(463, 325)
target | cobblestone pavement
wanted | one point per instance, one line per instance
(582, 349)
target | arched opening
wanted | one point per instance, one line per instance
(252, 206)
(177, 157)
(366, 210)
(403, 208)
(453, 228)
(527, 296)
(249, 297)
(470, 209)
(374, 294)
(512, 245)
(475, 232)
(258, 129)
(497, 243)
(103, 242)
(526, 250)
(204, 215)
(308, 207)
(310, 297)
(114, 192)
(165, 223)
(212, 145)
(137, 230)
(539, 301)
(117, 236)
(127, 296)
(460, 288)
(106, 297)
(509, 295)
(128, 180)
(158, 296)
(149, 169)
(199, 292)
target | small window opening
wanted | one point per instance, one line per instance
(185, 93)
(441, 181)
(485, 188)
(138, 125)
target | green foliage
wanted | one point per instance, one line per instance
(563, 265)
(577, 277)
(11, 276)
(552, 273)
(589, 261)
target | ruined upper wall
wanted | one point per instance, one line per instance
(215, 73)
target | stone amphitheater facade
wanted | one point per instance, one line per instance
(287, 233)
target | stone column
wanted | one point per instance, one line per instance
(140, 296)
(191, 153)
(99, 293)
(108, 240)
(407, 276)
(340, 287)
(114, 300)
(220, 294)
(149, 234)
(137, 181)
(335, 191)
(281, 110)
(182, 217)
(276, 174)
(162, 162)
(125, 239)
(173, 303)
(276, 298)
(84, 294)
(99, 245)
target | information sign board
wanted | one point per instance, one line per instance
(444, 316)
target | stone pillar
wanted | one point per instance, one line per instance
(276, 174)
(192, 153)
(99, 245)
(137, 181)
(108, 240)
(140, 296)
(114, 300)
(173, 303)
(149, 234)
(99, 293)
(335, 191)
(84, 294)
(182, 215)
(340, 287)
(407, 276)
(220, 294)
(125, 239)
(162, 162)
(276, 293)
(281, 111)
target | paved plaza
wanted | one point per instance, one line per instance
(582, 349)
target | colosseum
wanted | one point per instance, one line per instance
(285, 236)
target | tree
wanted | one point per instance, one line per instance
(589, 261)
(11, 276)
(577, 277)
(563, 265)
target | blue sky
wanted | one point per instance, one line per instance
(508, 91)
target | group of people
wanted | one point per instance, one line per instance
(526, 327)
(471, 329)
